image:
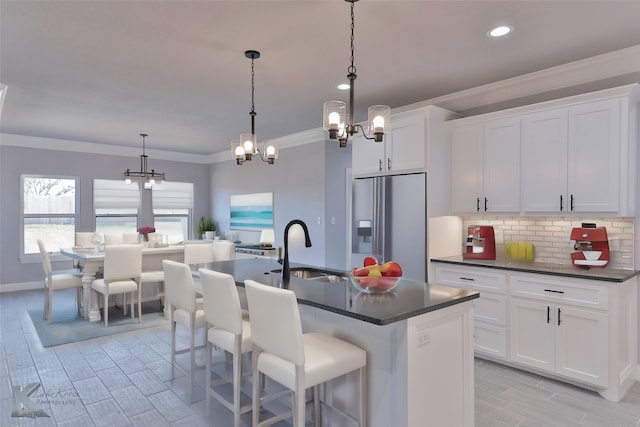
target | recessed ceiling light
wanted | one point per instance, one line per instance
(501, 30)
(344, 86)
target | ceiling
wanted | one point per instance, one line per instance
(106, 71)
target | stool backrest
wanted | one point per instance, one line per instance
(221, 301)
(178, 285)
(130, 238)
(275, 321)
(223, 251)
(113, 239)
(198, 253)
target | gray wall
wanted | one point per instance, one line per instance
(307, 183)
(15, 161)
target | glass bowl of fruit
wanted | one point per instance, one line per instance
(374, 278)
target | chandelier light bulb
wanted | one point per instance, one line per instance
(152, 181)
(127, 181)
(378, 124)
(239, 151)
(271, 151)
(334, 120)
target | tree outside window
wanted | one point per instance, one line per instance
(49, 212)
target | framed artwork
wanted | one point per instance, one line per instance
(251, 211)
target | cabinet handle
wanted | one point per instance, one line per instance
(477, 204)
(558, 316)
(572, 203)
(388, 163)
(548, 314)
(554, 291)
(485, 204)
(467, 278)
(380, 165)
(561, 203)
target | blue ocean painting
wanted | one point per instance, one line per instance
(252, 211)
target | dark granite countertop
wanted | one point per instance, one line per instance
(407, 300)
(594, 273)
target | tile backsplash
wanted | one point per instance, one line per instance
(550, 236)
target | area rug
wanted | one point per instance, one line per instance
(67, 327)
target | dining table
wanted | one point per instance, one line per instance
(91, 261)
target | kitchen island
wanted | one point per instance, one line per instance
(418, 340)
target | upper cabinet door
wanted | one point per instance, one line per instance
(367, 156)
(544, 161)
(594, 156)
(501, 158)
(466, 168)
(406, 146)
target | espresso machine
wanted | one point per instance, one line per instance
(591, 246)
(481, 243)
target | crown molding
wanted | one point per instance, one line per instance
(600, 67)
(41, 143)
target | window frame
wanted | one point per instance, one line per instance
(54, 256)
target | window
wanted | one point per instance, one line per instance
(116, 206)
(172, 205)
(49, 212)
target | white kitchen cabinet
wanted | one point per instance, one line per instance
(485, 170)
(490, 310)
(402, 149)
(571, 158)
(560, 339)
(579, 330)
(594, 156)
(562, 326)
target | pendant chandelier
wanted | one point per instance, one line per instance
(335, 119)
(149, 178)
(244, 149)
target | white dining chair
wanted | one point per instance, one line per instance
(223, 250)
(297, 361)
(198, 254)
(85, 238)
(180, 296)
(228, 330)
(113, 239)
(130, 238)
(55, 280)
(122, 271)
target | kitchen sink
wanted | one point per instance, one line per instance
(314, 274)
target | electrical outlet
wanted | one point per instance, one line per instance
(424, 337)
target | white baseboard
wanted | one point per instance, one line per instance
(24, 286)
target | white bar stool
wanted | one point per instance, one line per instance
(228, 331)
(296, 360)
(180, 295)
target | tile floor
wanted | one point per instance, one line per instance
(125, 380)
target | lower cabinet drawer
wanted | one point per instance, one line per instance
(564, 291)
(491, 308)
(490, 339)
(477, 279)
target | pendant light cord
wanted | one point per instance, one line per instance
(352, 68)
(253, 108)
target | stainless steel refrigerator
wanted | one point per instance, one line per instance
(389, 222)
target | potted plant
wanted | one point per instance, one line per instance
(206, 228)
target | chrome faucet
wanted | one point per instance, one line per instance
(307, 243)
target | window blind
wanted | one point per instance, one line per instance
(115, 194)
(172, 195)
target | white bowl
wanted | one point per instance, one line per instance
(592, 255)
